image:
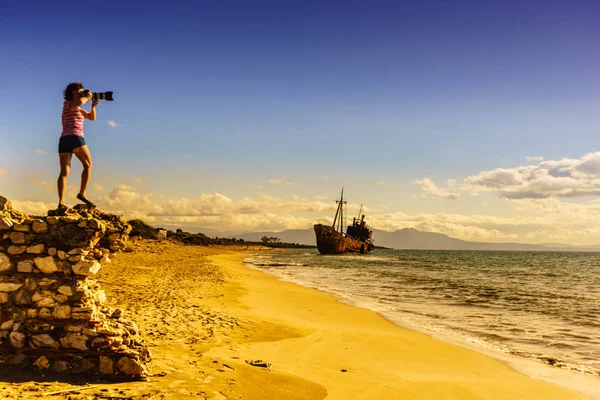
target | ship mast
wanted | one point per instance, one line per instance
(340, 212)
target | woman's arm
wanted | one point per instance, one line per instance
(92, 114)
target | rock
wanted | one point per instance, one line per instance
(25, 266)
(5, 263)
(130, 367)
(66, 290)
(17, 339)
(36, 249)
(16, 250)
(76, 258)
(7, 325)
(30, 284)
(22, 297)
(45, 302)
(74, 341)
(60, 298)
(101, 342)
(66, 236)
(105, 365)
(16, 359)
(52, 251)
(32, 313)
(44, 313)
(82, 224)
(86, 267)
(43, 340)
(37, 296)
(105, 260)
(41, 363)
(52, 220)
(78, 251)
(17, 237)
(45, 282)
(9, 287)
(3, 297)
(39, 226)
(117, 313)
(84, 365)
(5, 223)
(62, 255)
(62, 312)
(74, 328)
(60, 366)
(21, 228)
(46, 264)
(5, 204)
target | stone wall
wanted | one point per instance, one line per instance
(53, 311)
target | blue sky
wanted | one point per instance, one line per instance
(279, 104)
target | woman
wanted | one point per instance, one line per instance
(72, 141)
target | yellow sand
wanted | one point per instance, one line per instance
(203, 314)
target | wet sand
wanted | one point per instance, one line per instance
(204, 314)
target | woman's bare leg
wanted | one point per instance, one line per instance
(83, 154)
(65, 168)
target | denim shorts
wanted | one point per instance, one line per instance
(67, 144)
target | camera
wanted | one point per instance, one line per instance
(103, 96)
(108, 96)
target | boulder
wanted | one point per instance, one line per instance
(46, 264)
(39, 226)
(17, 339)
(5, 223)
(105, 365)
(5, 204)
(9, 286)
(36, 249)
(17, 237)
(5, 263)
(86, 267)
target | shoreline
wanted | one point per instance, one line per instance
(382, 359)
(203, 313)
(581, 382)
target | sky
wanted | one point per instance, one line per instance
(479, 120)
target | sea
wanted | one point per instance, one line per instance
(538, 311)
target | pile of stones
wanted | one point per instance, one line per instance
(53, 312)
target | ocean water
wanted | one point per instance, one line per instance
(539, 306)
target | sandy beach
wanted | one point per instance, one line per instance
(204, 315)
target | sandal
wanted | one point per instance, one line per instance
(86, 201)
(61, 209)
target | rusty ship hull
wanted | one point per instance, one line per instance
(330, 241)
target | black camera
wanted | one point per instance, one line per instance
(108, 96)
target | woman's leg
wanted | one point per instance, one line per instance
(65, 167)
(83, 154)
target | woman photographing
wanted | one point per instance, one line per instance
(72, 141)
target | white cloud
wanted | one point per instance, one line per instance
(214, 210)
(112, 124)
(33, 207)
(532, 220)
(380, 183)
(99, 187)
(279, 181)
(430, 189)
(563, 178)
(530, 158)
(40, 152)
(566, 178)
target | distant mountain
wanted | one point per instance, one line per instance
(410, 238)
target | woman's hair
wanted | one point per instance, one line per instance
(68, 93)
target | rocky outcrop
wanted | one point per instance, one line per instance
(53, 311)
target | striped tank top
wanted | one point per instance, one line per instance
(72, 121)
